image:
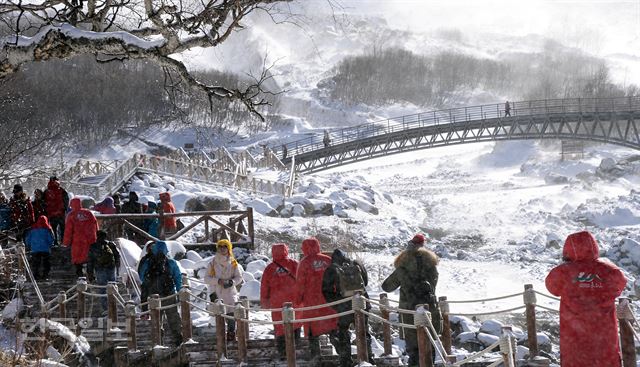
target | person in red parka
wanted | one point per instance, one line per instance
(170, 224)
(278, 286)
(21, 211)
(56, 204)
(309, 293)
(80, 232)
(587, 286)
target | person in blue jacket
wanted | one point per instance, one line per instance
(161, 275)
(40, 239)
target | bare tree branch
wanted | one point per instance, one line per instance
(155, 30)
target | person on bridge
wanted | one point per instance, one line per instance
(309, 293)
(223, 275)
(327, 139)
(104, 264)
(40, 239)
(284, 151)
(278, 285)
(587, 286)
(57, 205)
(342, 279)
(21, 211)
(416, 274)
(80, 232)
(507, 109)
(161, 275)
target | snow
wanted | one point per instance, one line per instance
(12, 309)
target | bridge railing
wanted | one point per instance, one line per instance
(465, 115)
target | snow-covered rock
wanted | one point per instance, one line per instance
(203, 203)
(251, 290)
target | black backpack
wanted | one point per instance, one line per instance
(158, 276)
(350, 277)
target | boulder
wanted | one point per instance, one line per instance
(207, 203)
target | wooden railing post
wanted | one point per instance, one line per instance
(218, 310)
(185, 311)
(507, 347)
(625, 318)
(81, 287)
(358, 304)
(62, 305)
(289, 338)
(250, 226)
(532, 334)
(111, 303)
(245, 303)
(154, 312)
(446, 327)
(130, 310)
(424, 344)
(386, 328)
(239, 315)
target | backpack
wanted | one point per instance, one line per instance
(107, 258)
(159, 275)
(350, 277)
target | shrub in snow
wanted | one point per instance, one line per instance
(207, 203)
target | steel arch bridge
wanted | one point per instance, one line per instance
(606, 120)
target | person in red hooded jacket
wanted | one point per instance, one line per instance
(170, 224)
(56, 205)
(278, 286)
(80, 232)
(309, 293)
(587, 286)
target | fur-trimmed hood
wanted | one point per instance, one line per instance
(427, 255)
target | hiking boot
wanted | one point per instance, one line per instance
(231, 336)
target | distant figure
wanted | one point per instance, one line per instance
(105, 206)
(151, 225)
(507, 109)
(309, 293)
(39, 204)
(80, 232)
(117, 202)
(342, 279)
(587, 286)
(57, 200)
(5, 213)
(416, 274)
(21, 211)
(103, 265)
(40, 239)
(133, 206)
(278, 286)
(284, 151)
(327, 139)
(143, 266)
(170, 223)
(223, 275)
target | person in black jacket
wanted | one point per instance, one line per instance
(416, 274)
(104, 262)
(343, 278)
(132, 206)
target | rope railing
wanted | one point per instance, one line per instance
(548, 296)
(488, 299)
(488, 313)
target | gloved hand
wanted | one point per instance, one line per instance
(228, 283)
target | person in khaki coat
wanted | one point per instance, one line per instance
(223, 275)
(417, 276)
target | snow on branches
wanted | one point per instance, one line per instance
(116, 30)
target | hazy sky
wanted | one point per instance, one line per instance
(604, 26)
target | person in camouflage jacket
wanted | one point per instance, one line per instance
(414, 267)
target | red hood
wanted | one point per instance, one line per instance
(53, 185)
(279, 251)
(42, 222)
(310, 246)
(165, 197)
(75, 204)
(580, 246)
